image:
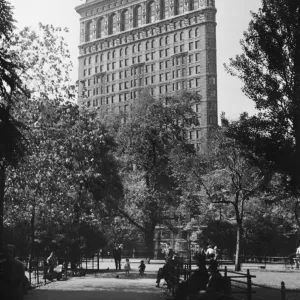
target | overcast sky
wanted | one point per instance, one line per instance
(233, 17)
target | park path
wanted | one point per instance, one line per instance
(90, 287)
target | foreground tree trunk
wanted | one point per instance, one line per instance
(2, 186)
(237, 264)
(149, 242)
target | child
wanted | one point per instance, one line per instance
(142, 268)
(127, 267)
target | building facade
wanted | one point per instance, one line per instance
(163, 46)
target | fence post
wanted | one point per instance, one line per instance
(98, 258)
(225, 272)
(249, 286)
(93, 262)
(282, 290)
(86, 260)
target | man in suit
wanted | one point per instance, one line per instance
(117, 257)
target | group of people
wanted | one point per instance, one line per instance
(117, 255)
(202, 284)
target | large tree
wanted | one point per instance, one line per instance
(269, 68)
(151, 130)
(219, 182)
(12, 141)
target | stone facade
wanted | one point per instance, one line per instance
(161, 45)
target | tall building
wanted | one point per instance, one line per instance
(162, 45)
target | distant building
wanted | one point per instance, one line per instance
(162, 45)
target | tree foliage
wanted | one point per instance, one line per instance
(149, 134)
(269, 68)
(220, 182)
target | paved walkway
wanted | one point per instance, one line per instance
(102, 285)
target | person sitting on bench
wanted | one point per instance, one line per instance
(167, 271)
(195, 283)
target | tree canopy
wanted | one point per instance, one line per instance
(269, 68)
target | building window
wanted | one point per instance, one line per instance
(112, 23)
(100, 28)
(167, 40)
(152, 44)
(162, 9)
(190, 33)
(196, 32)
(137, 16)
(197, 69)
(150, 12)
(191, 46)
(90, 60)
(197, 81)
(176, 7)
(147, 45)
(176, 49)
(181, 36)
(124, 20)
(197, 44)
(191, 4)
(140, 47)
(161, 53)
(89, 31)
(197, 56)
(175, 37)
(160, 41)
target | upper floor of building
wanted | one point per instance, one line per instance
(102, 18)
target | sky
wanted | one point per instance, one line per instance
(233, 17)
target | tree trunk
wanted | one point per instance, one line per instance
(149, 242)
(296, 102)
(237, 266)
(32, 236)
(2, 186)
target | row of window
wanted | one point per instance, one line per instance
(152, 14)
(138, 48)
(139, 82)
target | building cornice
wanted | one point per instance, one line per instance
(155, 25)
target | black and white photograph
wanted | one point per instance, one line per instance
(150, 149)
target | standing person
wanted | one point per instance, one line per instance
(14, 276)
(170, 252)
(127, 267)
(142, 268)
(297, 257)
(102, 253)
(216, 250)
(51, 261)
(117, 257)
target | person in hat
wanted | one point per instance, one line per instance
(14, 275)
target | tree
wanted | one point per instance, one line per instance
(146, 139)
(220, 179)
(270, 71)
(12, 143)
(68, 178)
